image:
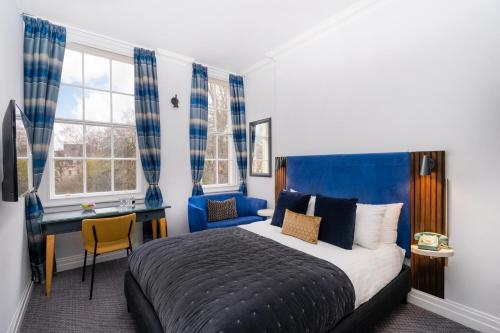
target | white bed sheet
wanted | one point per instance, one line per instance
(368, 270)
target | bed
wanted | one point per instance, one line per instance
(255, 279)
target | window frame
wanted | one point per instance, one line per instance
(233, 175)
(85, 123)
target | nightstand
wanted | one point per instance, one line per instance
(443, 253)
(268, 212)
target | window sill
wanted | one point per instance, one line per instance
(220, 188)
(101, 199)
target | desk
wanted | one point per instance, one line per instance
(64, 222)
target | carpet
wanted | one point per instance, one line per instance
(69, 309)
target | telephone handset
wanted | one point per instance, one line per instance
(431, 241)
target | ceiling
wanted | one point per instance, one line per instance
(229, 34)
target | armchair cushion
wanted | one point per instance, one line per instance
(234, 222)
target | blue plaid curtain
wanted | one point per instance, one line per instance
(44, 45)
(237, 93)
(198, 125)
(147, 117)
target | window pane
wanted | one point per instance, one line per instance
(211, 141)
(97, 106)
(125, 175)
(21, 139)
(223, 145)
(211, 120)
(72, 67)
(97, 71)
(209, 173)
(68, 176)
(218, 103)
(223, 172)
(98, 141)
(222, 120)
(123, 77)
(98, 176)
(69, 102)
(22, 176)
(123, 109)
(124, 142)
(68, 140)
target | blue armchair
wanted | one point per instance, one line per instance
(247, 211)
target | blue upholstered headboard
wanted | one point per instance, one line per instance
(372, 178)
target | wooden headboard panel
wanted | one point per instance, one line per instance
(279, 176)
(428, 213)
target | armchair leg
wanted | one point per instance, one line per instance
(92, 278)
(84, 264)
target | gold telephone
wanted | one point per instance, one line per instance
(431, 241)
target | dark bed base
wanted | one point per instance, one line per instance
(360, 320)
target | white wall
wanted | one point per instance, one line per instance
(406, 76)
(260, 103)
(175, 179)
(13, 247)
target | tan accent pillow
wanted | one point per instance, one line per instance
(301, 226)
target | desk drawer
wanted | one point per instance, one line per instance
(150, 215)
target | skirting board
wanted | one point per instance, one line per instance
(17, 319)
(76, 261)
(460, 313)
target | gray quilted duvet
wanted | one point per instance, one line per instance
(232, 280)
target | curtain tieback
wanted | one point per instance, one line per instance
(153, 184)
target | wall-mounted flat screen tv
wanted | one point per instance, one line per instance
(9, 182)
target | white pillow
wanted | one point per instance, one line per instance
(389, 233)
(368, 226)
(311, 205)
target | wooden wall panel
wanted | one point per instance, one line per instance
(428, 214)
(279, 176)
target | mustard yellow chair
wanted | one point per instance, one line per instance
(106, 235)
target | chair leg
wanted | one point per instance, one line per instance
(92, 279)
(127, 252)
(84, 264)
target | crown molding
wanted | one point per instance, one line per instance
(329, 24)
(257, 66)
(175, 57)
(87, 38)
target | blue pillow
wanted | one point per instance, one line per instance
(295, 201)
(338, 218)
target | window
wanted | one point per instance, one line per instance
(23, 158)
(219, 157)
(94, 149)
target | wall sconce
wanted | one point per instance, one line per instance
(175, 101)
(427, 165)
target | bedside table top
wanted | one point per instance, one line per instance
(443, 253)
(268, 212)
